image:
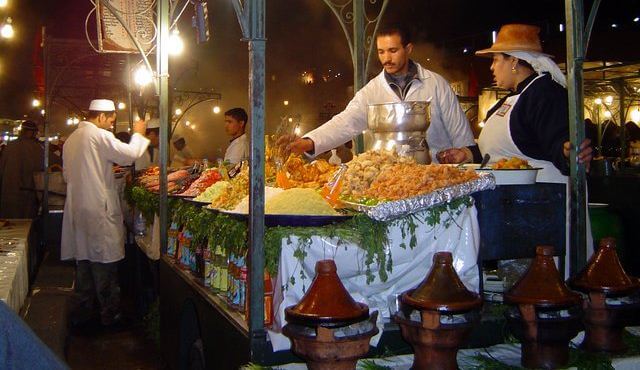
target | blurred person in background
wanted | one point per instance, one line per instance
(181, 155)
(150, 156)
(19, 161)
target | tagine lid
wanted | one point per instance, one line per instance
(604, 273)
(542, 285)
(442, 290)
(327, 302)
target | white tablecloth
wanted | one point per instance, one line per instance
(508, 354)
(410, 266)
(14, 275)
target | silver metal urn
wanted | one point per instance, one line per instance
(401, 127)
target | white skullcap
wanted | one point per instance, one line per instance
(153, 123)
(102, 105)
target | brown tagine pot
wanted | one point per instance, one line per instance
(547, 314)
(447, 313)
(328, 328)
(613, 299)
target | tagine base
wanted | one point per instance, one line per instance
(537, 355)
(326, 354)
(435, 347)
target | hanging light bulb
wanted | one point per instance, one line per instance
(608, 100)
(635, 116)
(142, 76)
(176, 45)
(6, 30)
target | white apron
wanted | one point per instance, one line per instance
(495, 139)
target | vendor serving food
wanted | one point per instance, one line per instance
(531, 122)
(402, 79)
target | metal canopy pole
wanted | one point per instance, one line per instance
(162, 57)
(357, 40)
(251, 17)
(577, 185)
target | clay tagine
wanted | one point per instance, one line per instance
(447, 314)
(327, 303)
(547, 316)
(327, 328)
(604, 279)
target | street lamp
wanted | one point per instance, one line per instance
(6, 30)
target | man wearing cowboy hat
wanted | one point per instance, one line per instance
(92, 227)
(20, 159)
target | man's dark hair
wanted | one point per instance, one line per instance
(155, 130)
(395, 29)
(93, 114)
(238, 114)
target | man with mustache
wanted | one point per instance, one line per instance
(402, 79)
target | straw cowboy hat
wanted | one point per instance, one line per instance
(515, 37)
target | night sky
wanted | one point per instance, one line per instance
(304, 35)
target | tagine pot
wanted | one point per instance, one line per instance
(612, 299)
(447, 313)
(328, 328)
(546, 314)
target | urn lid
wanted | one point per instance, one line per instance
(442, 290)
(604, 273)
(542, 284)
(327, 302)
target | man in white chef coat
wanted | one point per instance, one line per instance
(401, 79)
(235, 121)
(92, 227)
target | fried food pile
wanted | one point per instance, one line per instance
(513, 163)
(365, 168)
(300, 174)
(408, 180)
(232, 195)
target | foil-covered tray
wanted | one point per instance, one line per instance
(398, 208)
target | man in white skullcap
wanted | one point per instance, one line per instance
(92, 227)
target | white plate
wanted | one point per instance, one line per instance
(513, 177)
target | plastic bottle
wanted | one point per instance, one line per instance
(140, 225)
(334, 159)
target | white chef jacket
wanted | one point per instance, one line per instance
(92, 226)
(238, 150)
(449, 126)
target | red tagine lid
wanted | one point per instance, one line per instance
(604, 273)
(442, 289)
(542, 285)
(327, 302)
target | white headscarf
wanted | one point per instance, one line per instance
(541, 63)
